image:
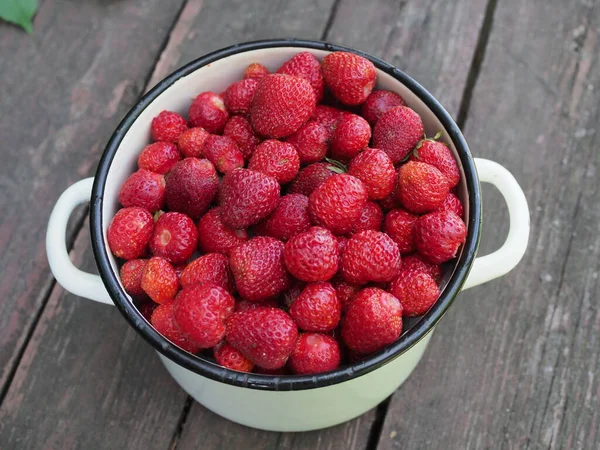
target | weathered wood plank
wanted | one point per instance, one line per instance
(515, 362)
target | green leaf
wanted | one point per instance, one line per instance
(19, 12)
(336, 166)
(438, 135)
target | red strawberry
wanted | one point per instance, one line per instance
(421, 187)
(258, 269)
(244, 305)
(452, 203)
(397, 132)
(190, 142)
(338, 203)
(289, 218)
(246, 197)
(350, 137)
(312, 255)
(167, 126)
(163, 320)
(317, 308)
(216, 237)
(378, 103)
(305, 65)
(191, 186)
(131, 276)
(256, 71)
(370, 218)
(375, 169)
(212, 268)
(159, 157)
(229, 357)
(370, 256)
(314, 353)
(345, 291)
(239, 129)
(144, 189)
(373, 320)
(350, 77)
(266, 336)
(417, 292)
(438, 236)
(310, 178)
(175, 237)
(277, 159)
(328, 117)
(400, 226)
(147, 308)
(416, 263)
(201, 311)
(281, 105)
(223, 152)
(310, 142)
(159, 280)
(129, 232)
(440, 156)
(239, 95)
(208, 111)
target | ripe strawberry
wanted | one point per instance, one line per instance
(159, 157)
(350, 77)
(144, 189)
(212, 268)
(397, 132)
(400, 226)
(317, 308)
(338, 203)
(305, 65)
(310, 142)
(345, 292)
(131, 276)
(246, 197)
(129, 232)
(238, 96)
(223, 152)
(417, 292)
(266, 336)
(159, 280)
(312, 255)
(421, 187)
(310, 178)
(416, 263)
(229, 357)
(167, 126)
(147, 308)
(370, 218)
(191, 186)
(281, 105)
(201, 311)
(175, 237)
(277, 159)
(258, 269)
(190, 142)
(370, 256)
(440, 156)
(216, 237)
(350, 136)
(208, 111)
(452, 203)
(239, 129)
(244, 305)
(438, 236)
(256, 71)
(378, 103)
(289, 218)
(373, 320)
(314, 353)
(328, 117)
(163, 320)
(375, 169)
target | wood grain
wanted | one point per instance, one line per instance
(515, 363)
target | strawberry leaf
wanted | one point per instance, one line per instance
(438, 135)
(336, 166)
(19, 12)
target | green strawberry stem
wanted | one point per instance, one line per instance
(336, 166)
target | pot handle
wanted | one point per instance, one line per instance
(503, 260)
(68, 276)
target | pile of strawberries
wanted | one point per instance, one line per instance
(292, 221)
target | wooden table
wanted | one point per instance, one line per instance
(515, 363)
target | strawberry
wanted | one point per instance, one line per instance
(244, 305)
(256, 71)
(223, 152)
(215, 237)
(131, 276)
(277, 159)
(191, 141)
(314, 353)
(305, 65)
(417, 292)
(239, 129)
(370, 218)
(397, 132)
(345, 291)
(310, 141)
(438, 236)
(440, 156)
(289, 218)
(378, 103)
(338, 203)
(311, 177)
(175, 237)
(212, 268)
(373, 320)
(400, 226)
(201, 311)
(159, 280)
(416, 263)
(328, 117)
(452, 203)
(421, 187)
(258, 269)
(375, 169)
(209, 112)
(163, 320)
(159, 157)
(147, 308)
(144, 189)
(370, 256)
(350, 77)
(281, 105)
(317, 308)
(266, 336)
(238, 96)
(351, 135)
(246, 197)
(312, 255)
(167, 126)
(229, 357)
(129, 232)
